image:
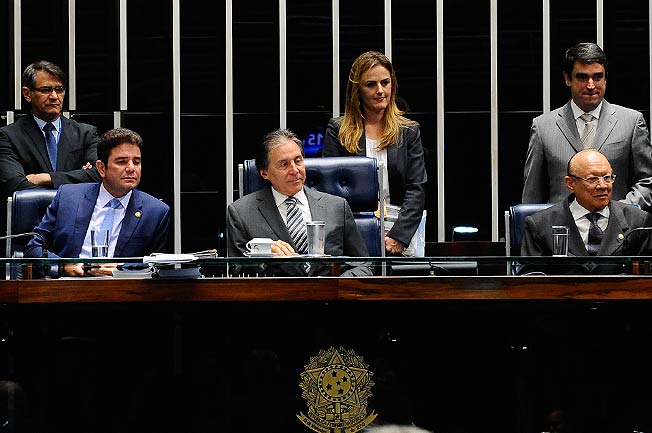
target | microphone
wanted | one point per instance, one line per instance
(629, 233)
(44, 250)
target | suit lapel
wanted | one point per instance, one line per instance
(362, 145)
(606, 124)
(40, 150)
(614, 235)
(130, 222)
(317, 208)
(269, 211)
(84, 215)
(64, 145)
(566, 123)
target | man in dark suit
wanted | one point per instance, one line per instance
(263, 214)
(44, 149)
(597, 224)
(139, 223)
(588, 121)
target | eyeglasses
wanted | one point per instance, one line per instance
(48, 89)
(594, 180)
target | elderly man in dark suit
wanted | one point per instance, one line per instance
(267, 213)
(588, 121)
(44, 149)
(597, 224)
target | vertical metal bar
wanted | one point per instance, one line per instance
(123, 54)
(599, 7)
(546, 56)
(117, 119)
(388, 29)
(282, 37)
(18, 52)
(336, 57)
(71, 90)
(229, 100)
(493, 37)
(441, 220)
(176, 121)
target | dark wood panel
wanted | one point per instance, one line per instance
(328, 289)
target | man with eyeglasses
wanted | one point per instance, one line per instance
(598, 225)
(45, 149)
(588, 121)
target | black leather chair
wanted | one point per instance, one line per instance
(25, 210)
(354, 178)
(515, 224)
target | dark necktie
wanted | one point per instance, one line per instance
(595, 234)
(296, 226)
(51, 144)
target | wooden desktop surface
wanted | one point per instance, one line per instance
(328, 289)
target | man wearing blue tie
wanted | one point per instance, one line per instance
(137, 222)
(44, 149)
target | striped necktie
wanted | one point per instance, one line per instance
(296, 226)
(588, 133)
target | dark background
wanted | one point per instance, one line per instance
(309, 77)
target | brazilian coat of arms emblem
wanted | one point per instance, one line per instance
(336, 386)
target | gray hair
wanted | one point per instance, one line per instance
(272, 140)
(29, 74)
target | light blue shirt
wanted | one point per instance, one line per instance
(99, 212)
(57, 127)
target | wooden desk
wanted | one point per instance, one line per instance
(447, 353)
(86, 290)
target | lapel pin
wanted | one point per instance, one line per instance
(621, 236)
(138, 214)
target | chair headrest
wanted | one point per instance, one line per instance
(518, 213)
(28, 208)
(351, 177)
(354, 178)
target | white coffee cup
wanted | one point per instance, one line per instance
(260, 246)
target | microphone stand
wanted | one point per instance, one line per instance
(44, 250)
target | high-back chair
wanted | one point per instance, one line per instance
(355, 178)
(515, 226)
(25, 210)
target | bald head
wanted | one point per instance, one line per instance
(585, 158)
(586, 179)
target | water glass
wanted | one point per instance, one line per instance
(559, 241)
(100, 243)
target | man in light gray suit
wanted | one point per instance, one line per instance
(588, 121)
(263, 214)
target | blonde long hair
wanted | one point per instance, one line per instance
(353, 122)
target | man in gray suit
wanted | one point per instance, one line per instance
(588, 121)
(597, 225)
(44, 149)
(263, 214)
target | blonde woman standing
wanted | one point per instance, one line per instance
(374, 126)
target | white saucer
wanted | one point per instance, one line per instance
(162, 259)
(248, 254)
